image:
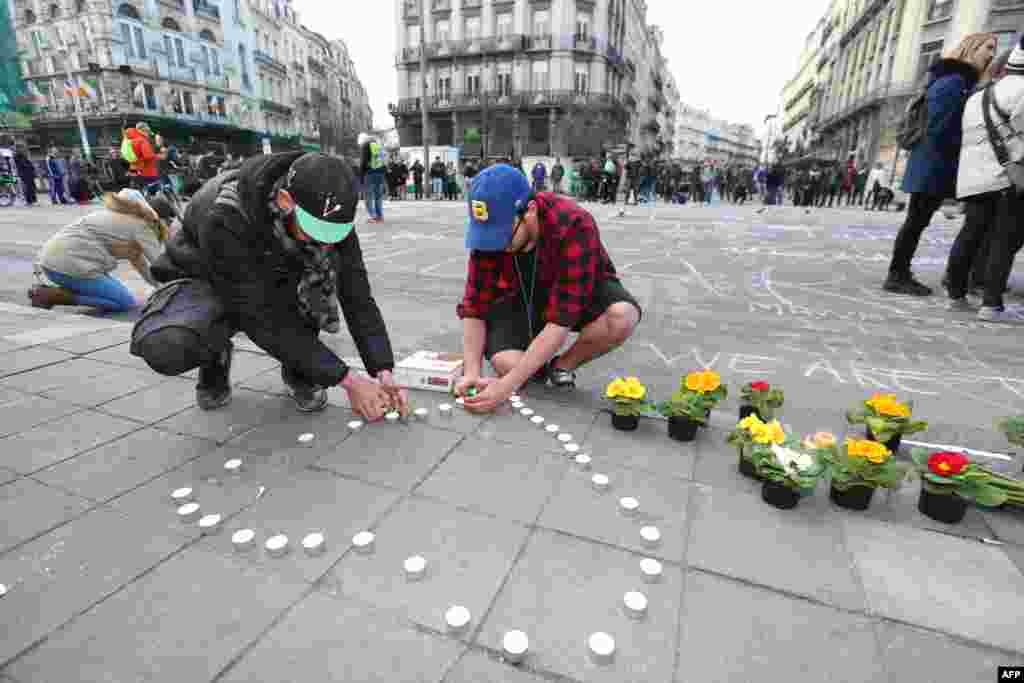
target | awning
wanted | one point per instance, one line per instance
(310, 147)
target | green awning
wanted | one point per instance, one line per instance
(310, 147)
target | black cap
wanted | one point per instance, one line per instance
(324, 188)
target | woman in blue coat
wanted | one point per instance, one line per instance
(932, 170)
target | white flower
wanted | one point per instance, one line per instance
(791, 459)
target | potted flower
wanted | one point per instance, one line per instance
(753, 438)
(949, 480)
(1013, 428)
(691, 405)
(787, 474)
(760, 398)
(887, 420)
(858, 468)
(628, 398)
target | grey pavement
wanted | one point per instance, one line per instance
(105, 583)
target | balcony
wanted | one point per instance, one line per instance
(441, 5)
(411, 9)
(525, 99)
(472, 4)
(316, 66)
(264, 58)
(206, 11)
(176, 5)
(274, 107)
(543, 42)
(179, 73)
(584, 44)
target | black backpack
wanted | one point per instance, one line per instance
(914, 123)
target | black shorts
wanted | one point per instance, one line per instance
(508, 325)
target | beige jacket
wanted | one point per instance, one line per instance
(83, 249)
(979, 171)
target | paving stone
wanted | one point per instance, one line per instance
(468, 557)
(649, 448)
(19, 411)
(28, 508)
(563, 589)
(87, 343)
(60, 574)
(1016, 555)
(52, 377)
(953, 585)
(733, 632)
(399, 455)
(184, 621)
(268, 382)
(716, 465)
(576, 508)
(917, 655)
(336, 639)
(1007, 524)
(101, 389)
(28, 359)
(49, 334)
(245, 365)
(477, 667)
(307, 501)
(110, 470)
(118, 355)
(154, 403)
(214, 489)
(900, 507)
(328, 428)
(7, 475)
(799, 550)
(247, 409)
(58, 440)
(510, 427)
(461, 421)
(512, 482)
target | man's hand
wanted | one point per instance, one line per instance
(368, 399)
(462, 388)
(399, 397)
(495, 392)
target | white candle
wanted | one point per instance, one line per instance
(635, 604)
(392, 417)
(460, 402)
(565, 438)
(651, 570)
(515, 645)
(355, 425)
(415, 567)
(602, 647)
(233, 466)
(516, 405)
(363, 541)
(552, 428)
(306, 439)
(421, 414)
(188, 512)
(650, 535)
(526, 412)
(209, 524)
(457, 617)
(3, 590)
(537, 420)
(243, 539)
(571, 448)
(313, 543)
(515, 398)
(445, 409)
(182, 495)
(600, 482)
(583, 461)
(277, 545)
(628, 505)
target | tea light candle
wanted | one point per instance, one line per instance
(363, 541)
(355, 425)
(188, 512)
(445, 409)
(516, 405)
(650, 535)
(460, 402)
(526, 412)
(457, 617)
(551, 428)
(629, 506)
(3, 590)
(243, 539)
(313, 543)
(392, 417)
(421, 414)
(209, 524)
(277, 545)
(602, 647)
(565, 438)
(306, 439)
(515, 398)
(572, 448)
(583, 461)
(182, 495)
(537, 420)
(233, 466)
(514, 646)
(635, 604)
(600, 482)
(415, 567)
(651, 570)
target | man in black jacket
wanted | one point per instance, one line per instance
(272, 239)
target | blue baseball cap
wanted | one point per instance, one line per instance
(497, 196)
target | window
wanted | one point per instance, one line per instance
(171, 25)
(540, 75)
(134, 45)
(40, 41)
(56, 64)
(187, 100)
(504, 25)
(150, 94)
(207, 35)
(179, 49)
(54, 11)
(939, 9)
(582, 27)
(441, 32)
(505, 80)
(472, 28)
(414, 36)
(581, 81)
(930, 53)
(175, 100)
(127, 11)
(444, 89)
(215, 61)
(241, 60)
(30, 17)
(473, 84)
(541, 23)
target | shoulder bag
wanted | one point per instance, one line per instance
(1014, 170)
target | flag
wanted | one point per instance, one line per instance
(69, 88)
(87, 87)
(33, 92)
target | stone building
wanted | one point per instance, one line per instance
(700, 136)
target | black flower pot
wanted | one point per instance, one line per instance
(625, 423)
(892, 444)
(707, 417)
(747, 411)
(948, 508)
(747, 469)
(779, 495)
(853, 498)
(682, 428)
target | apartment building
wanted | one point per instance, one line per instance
(701, 136)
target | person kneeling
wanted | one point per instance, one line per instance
(537, 271)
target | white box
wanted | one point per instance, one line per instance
(429, 370)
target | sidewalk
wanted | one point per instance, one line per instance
(104, 583)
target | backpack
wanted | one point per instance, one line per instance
(914, 123)
(128, 150)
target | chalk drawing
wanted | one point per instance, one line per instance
(752, 365)
(824, 365)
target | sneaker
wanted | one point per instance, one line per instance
(308, 399)
(905, 284)
(960, 305)
(561, 378)
(214, 388)
(991, 314)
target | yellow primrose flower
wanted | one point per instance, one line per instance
(616, 388)
(886, 404)
(703, 382)
(750, 422)
(870, 450)
(819, 440)
(769, 433)
(635, 391)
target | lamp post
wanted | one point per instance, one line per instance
(424, 114)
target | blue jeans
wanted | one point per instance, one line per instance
(375, 195)
(437, 185)
(104, 292)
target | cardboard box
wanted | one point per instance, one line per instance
(429, 370)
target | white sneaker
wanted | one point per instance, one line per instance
(991, 314)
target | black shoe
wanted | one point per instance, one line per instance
(560, 378)
(905, 284)
(308, 398)
(214, 388)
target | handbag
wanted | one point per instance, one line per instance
(1014, 169)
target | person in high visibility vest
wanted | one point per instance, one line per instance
(373, 170)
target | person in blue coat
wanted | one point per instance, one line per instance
(932, 169)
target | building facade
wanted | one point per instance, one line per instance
(238, 72)
(866, 58)
(700, 136)
(517, 78)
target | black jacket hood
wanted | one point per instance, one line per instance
(256, 179)
(950, 67)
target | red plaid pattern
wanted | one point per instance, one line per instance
(570, 261)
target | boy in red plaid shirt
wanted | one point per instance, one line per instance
(537, 271)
